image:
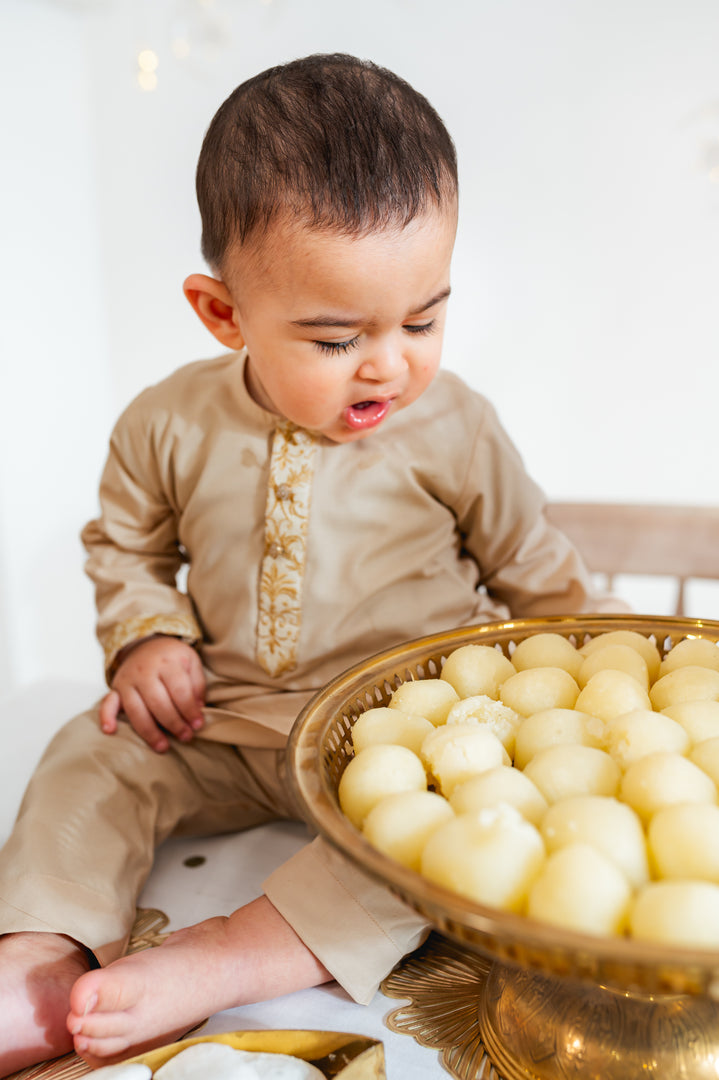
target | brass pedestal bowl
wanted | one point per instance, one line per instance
(555, 1003)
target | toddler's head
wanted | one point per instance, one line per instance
(328, 194)
(332, 142)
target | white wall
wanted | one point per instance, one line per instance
(584, 279)
(54, 401)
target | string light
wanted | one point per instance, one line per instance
(147, 64)
(199, 30)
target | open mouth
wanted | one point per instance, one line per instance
(366, 414)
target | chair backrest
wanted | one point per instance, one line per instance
(681, 542)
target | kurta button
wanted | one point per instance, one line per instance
(274, 550)
(283, 492)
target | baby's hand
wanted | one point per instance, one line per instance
(160, 687)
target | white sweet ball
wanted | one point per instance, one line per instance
(431, 698)
(547, 650)
(700, 719)
(615, 658)
(373, 774)
(605, 824)
(682, 913)
(539, 688)
(482, 709)
(385, 725)
(636, 734)
(580, 889)
(477, 669)
(610, 693)
(400, 825)
(683, 841)
(644, 646)
(688, 683)
(659, 780)
(453, 753)
(502, 784)
(220, 1062)
(706, 756)
(563, 771)
(695, 651)
(492, 857)
(129, 1071)
(555, 727)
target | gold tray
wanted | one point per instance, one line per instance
(337, 1054)
(540, 964)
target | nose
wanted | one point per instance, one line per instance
(385, 363)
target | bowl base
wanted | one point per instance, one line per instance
(538, 1027)
(497, 1021)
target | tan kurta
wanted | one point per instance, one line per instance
(304, 557)
(307, 556)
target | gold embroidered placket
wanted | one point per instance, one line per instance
(287, 509)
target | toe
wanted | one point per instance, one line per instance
(100, 992)
(100, 1051)
(97, 1025)
(84, 994)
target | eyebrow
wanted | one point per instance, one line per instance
(332, 320)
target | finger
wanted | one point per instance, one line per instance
(181, 694)
(162, 708)
(199, 685)
(192, 665)
(109, 708)
(142, 721)
(197, 678)
(179, 689)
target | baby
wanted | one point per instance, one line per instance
(332, 494)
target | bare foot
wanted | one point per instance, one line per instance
(37, 971)
(153, 997)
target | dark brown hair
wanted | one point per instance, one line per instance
(338, 142)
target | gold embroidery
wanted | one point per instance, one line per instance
(141, 626)
(286, 519)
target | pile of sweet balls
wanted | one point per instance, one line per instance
(574, 785)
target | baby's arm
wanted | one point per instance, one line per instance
(159, 685)
(146, 624)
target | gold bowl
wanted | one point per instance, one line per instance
(650, 1009)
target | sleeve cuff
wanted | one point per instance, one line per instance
(143, 626)
(354, 926)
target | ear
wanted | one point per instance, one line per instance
(213, 305)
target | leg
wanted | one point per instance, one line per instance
(144, 1000)
(40, 951)
(376, 930)
(37, 972)
(79, 854)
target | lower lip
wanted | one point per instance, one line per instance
(369, 417)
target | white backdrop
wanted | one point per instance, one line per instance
(585, 276)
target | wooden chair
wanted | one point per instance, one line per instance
(680, 542)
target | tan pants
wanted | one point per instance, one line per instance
(96, 808)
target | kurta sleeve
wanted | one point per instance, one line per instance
(134, 552)
(525, 562)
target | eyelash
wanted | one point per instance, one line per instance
(335, 347)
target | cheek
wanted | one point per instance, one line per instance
(318, 382)
(431, 366)
(310, 392)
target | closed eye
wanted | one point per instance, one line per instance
(421, 328)
(334, 347)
